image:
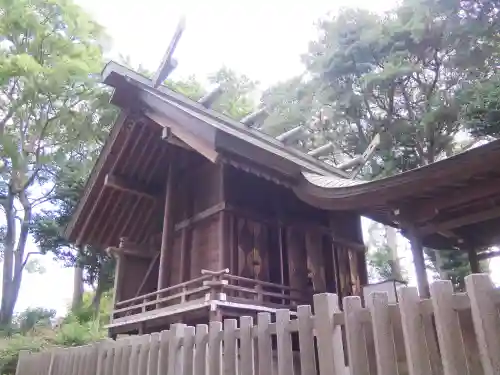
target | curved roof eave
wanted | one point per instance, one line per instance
(336, 193)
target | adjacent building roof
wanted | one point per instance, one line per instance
(452, 202)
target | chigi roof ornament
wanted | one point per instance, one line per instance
(168, 64)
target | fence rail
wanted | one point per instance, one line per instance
(449, 334)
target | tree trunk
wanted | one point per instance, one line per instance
(96, 301)
(77, 288)
(14, 260)
(392, 244)
(7, 309)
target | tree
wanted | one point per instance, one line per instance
(49, 57)
(48, 226)
(397, 75)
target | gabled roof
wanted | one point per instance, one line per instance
(230, 135)
(209, 133)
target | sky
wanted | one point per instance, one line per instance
(262, 39)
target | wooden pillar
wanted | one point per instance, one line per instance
(417, 251)
(167, 232)
(473, 260)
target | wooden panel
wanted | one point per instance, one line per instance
(316, 264)
(297, 258)
(253, 249)
(175, 262)
(206, 186)
(205, 250)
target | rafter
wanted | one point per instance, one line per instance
(133, 187)
(431, 207)
(461, 221)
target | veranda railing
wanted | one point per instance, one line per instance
(450, 334)
(214, 285)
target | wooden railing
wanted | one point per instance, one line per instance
(214, 285)
(449, 334)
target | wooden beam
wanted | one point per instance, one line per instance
(205, 214)
(431, 207)
(458, 222)
(167, 232)
(133, 187)
(194, 141)
(169, 63)
(148, 272)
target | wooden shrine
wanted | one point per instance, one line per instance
(200, 212)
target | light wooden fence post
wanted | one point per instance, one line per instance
(284, 343)
(118, 359)
(448, 329)
(486, 321)
(144, 355)
(175, 350)
(383, 335)
(306, 341)
(247, 354)
(328, 334)
(163, 352)
(200, 354)
(126, 354)
(53, 363)
(230, 347)
(413, 332)
(188, 347)
(153, 354)
(21, 362)
(264, 344)
(214, 348)
(356, 343)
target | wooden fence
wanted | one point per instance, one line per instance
(450, 334)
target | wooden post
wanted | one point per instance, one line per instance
(167, 233)
(417, 251)
(473, 261)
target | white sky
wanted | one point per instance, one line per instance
(260, 38)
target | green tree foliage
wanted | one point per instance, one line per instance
(236, 100)
(405, 75)
(50, 105)
(49, 225)
(481, 107)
